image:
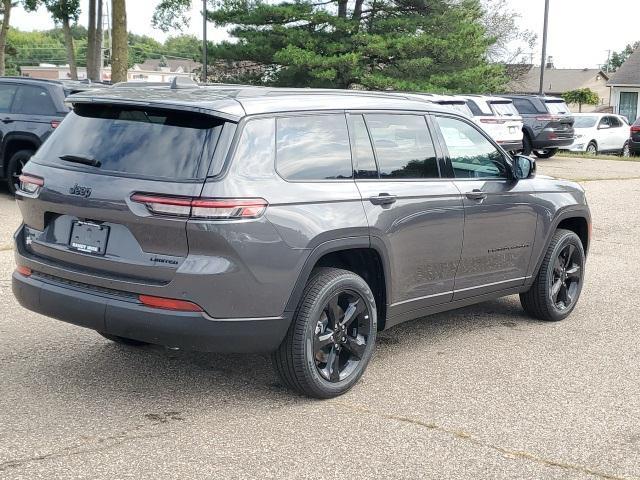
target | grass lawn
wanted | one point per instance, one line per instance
(565, 153)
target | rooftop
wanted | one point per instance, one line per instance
(526, 78)
(234, 101)
(629, 71)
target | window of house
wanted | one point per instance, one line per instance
(313, 147)
(403, 146)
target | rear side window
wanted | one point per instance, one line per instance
(475, 109)
(33, 101)
(7, 93)
(615, 122)
(134, 140)
(313, 147)
(524, 106)
(403, 146)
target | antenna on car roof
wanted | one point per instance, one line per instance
(183, 82)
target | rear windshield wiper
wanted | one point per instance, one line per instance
(80, 159)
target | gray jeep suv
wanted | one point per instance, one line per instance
(295, 223)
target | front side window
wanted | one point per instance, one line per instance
(615, 122)
(33, 101)
(313, 147)
(403, 146)
(471, 154)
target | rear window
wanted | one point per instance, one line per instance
(133, 140)
(585, 122)
(557, 107)
(505, 109)
(524, 106)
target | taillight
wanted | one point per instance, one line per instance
(635, 128)
(548, 118)
(55, 123)
(30, 184)
(24, 271)
(209, 208)
(169, 303)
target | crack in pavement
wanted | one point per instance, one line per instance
(465, 436)
(101, 444)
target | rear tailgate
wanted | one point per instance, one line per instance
(83, 217)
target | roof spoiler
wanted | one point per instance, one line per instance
(183, 82)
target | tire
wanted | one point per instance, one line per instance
(625, 150)
(130, 342)
(306, 358)
(592, 148)
(546, 153)
(540, 301)
(14, 168)
(527, 147)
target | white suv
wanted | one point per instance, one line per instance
(499, 118)
(600, 133)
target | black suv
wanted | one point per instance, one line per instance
(30, 109)
(634, 139)
(296, 223)
(548, 124)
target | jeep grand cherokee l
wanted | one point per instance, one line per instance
(300, 224)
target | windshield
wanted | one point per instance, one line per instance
(557, 107)
(585, 122)
(504, 109)
(134, 140)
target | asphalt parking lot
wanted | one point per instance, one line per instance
(480, 392)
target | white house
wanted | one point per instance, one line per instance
(625, 88)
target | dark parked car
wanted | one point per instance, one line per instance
(548, 124)
(634, 139)
(301, 224)
(30, 109)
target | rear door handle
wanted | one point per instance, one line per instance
(383, 199)
(476, 195)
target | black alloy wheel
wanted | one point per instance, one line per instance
(332, 335)
(14, 168)
(341, 336)
(566, 278)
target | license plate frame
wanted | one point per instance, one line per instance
(89, 237)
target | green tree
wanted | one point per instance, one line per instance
(616, 59)
(63, 12)
(581, 96)
(185, 46)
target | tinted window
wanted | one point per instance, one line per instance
(314, 147)
(134, 140)
(7, 92)
(33, 101)
(524, 106)
(471, 154)
(361, 150)
(615, 122)
(604, 121)
(403, 146)
(474, 108)
(505, 109)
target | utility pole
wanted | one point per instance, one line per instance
(204, 41)
(608, 61)
(543, 63)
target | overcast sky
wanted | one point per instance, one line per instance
(580, 31)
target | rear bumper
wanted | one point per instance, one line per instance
(634, 147)
(543, 142)
(122, 315)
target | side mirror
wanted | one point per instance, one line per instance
(604, 126)
(523, 167)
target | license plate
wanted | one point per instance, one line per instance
(89, 237)
(512, 129)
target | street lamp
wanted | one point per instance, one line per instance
(544, 46)
(204, 41)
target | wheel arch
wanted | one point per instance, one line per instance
(14, 142)
(360, 255)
